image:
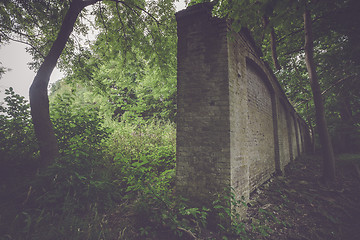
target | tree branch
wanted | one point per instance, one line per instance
(18, 32)
(139, 8)
(26, 43)
(103, 22)
(295, 51)
(290, 34)
(89, 2)
(121, 22)
(297, 30)
(326, 90)
(336, 83)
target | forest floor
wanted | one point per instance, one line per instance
(298, 206)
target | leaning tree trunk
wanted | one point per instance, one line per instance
(312, 131)
(272, 43)
(327, 150)
(39, 101)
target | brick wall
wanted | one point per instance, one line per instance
(203, 138)
(260, 128)
(235, 126)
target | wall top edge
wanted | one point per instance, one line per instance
(198, 8)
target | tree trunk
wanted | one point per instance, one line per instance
(327, 150)
(39, 101)
(311, 144)
(272, 43)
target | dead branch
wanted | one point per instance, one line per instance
(188, 232)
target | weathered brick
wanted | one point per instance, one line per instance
(235, 126)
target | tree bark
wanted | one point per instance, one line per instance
(327, 149)
(312, 132)
(39, 101)
(272, 43)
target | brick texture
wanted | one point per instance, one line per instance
(235, 126)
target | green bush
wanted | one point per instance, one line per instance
(18, 157)
(69, 199)
(143, 156)
(18, 147)
(231, 224)
(101, 165)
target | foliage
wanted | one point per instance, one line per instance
(77, 186)
(143, 157)
(102, 164)
(132, 63)
(348, 159)
(18, 151)
(238, 226)
(17, 135)
(18, 148)
(3, 70)
(36, 23)
(74, 123)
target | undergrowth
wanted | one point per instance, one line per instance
(115, 180)
(102, 165)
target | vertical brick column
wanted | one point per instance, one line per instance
(203, 124)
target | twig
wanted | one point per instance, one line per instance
(18, 32)
(139, 8)
(29, 44)
(336, 83)
(188, 232)
(326, 90)
(27, 196)
(103, 21)
(357, 170)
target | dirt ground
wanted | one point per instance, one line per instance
(295, 206)
(298, 206)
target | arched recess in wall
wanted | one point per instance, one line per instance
(262, 134)
(297, 132)
(301, 137)
(284, 129)
(294, 134)
(306, 136)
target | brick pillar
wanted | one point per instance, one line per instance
(211, 109)
(203, 125)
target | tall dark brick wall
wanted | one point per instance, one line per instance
(203, 137)
(235, 126)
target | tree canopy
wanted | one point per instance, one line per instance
(135, 28)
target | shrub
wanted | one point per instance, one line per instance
(18, 156)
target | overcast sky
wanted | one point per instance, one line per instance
(20, 77)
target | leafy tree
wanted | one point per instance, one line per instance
(30, 19)
(138, 80)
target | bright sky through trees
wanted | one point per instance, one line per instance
(20, 77)
(14, 56)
